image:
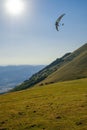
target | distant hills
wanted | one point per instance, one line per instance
(69, 67)
(10, 76)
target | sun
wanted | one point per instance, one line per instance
(14, 7)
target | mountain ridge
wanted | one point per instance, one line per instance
(68, 67)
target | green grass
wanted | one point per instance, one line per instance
(59, 106)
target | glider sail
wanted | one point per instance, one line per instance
(58, 21)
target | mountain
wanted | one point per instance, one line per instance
(69, 67)
(10, 76)
(75, 69)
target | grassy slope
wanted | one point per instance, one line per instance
(76, 69)
(70, 66)
(44, 73)
(59, 106)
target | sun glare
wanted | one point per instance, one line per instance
(14, 7)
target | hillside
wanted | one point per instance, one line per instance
(12, 75)
(70, 66)
(58, 106)
(41, 75)
(75, 69)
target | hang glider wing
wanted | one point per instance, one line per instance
(58, 21)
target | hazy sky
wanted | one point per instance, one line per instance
(31, 37)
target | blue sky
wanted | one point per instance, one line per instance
(31, 38)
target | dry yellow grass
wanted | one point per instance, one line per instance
(59, 106)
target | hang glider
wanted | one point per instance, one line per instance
(58, 21)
